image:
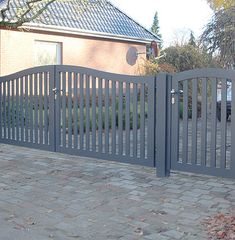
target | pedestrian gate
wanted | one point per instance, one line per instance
(183, 122)
(203, 122)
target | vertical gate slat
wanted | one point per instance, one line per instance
(213, 122)
(185, 122)
(127, 120)
(76, 111)
(62, 92)
(204, 123)
(135, 120)
(120, 119)
(73, 110)
(22, 108)
(100, 127)
(4, 109)
(40, 109)
(107, 122)
(142, 121)
(150, 122)
(1, 100)
(13, 109)
(64, 114)
(56, 105)
(45, 94)
(81, 108)
(223, 123)
(93, 114)
(8, 110)
(17, 110)
(36, 107)
(194, 120)
(31, 108)
(52, 123)
(232, 167)
(87, 112)
(69, 82)
(113, 117)
(26, 109)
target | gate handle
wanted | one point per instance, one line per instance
(56, 91)
(173, 92)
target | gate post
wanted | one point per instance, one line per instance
(56, 94)
(163, 120)
(52, 108)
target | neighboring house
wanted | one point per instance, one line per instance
(93, 34)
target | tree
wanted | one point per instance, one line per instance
(182, 56)
(192, 40)
(220, 4)
(26, 11)
(156, 28)
(219, 36)
(186, 57)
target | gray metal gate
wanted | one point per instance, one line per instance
(203, 122)
(27, 108)
(183, 122)
(80, 111)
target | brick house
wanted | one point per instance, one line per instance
(93, 34)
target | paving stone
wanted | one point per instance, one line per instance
(129, 186)
(135, 198)
(190, 215)
(174, 234)
(157, 236)
(171, 211)
(137, 193)
(206, 197)
(188, 198)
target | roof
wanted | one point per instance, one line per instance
(90, 16)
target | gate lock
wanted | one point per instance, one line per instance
(173, 93)
(56, 91)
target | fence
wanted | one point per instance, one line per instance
(178, 122)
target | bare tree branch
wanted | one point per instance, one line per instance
(4, 10)
(30, 10)
(14, 13)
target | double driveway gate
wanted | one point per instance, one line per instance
(80, 111)
(184, 122)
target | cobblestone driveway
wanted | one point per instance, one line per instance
(47, 195)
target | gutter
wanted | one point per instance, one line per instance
(82, 32)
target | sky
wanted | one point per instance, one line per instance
(176, 17)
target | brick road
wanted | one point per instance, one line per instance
(46, 195)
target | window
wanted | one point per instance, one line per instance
(47, 53)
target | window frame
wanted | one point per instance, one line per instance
(59, 50)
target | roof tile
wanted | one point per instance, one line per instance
(99, 16)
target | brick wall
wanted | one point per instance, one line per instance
(17, 52)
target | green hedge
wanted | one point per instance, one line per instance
(21, 114)
(103, 117)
